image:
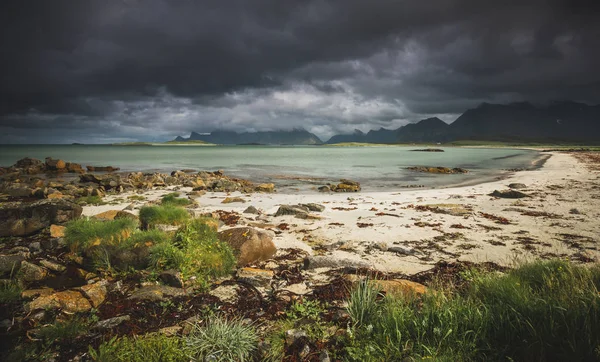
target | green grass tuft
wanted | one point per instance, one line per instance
(222, 340)
(148, 348)
(545, 310)
(10, 292)
(62, 331)
(173, 199)
(196, 251)
(90, 200)
(165, 214)
(80, 234)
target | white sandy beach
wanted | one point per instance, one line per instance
(564, 188)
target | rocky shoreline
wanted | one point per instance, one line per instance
(290, 250)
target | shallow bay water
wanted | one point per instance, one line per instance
(294, 167)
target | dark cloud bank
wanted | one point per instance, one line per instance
(107, 71)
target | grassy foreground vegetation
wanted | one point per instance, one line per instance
(546, 310)
(117, 245)
(151, 216)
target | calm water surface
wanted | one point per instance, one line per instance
(300, 167)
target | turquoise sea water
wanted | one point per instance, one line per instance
(302, 167)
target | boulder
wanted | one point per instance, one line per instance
(265, 188)
(74, 167)
(70, 301)
(509, 194)
(324, 189)
(28, 162)
(16, 190)
(55, 164)
(438, 169)
(22, 219)
(102, 168)
(346, 186)
(292, 210)
(249, 245)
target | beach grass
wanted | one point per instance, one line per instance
(83, 233)
(196, 251)
(173, 199)
(154, 347)
(163, 214)
(545, 310)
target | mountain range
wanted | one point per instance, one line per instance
(563, 121)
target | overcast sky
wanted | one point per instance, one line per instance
(123, 70)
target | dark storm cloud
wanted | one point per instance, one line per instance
(126, 67)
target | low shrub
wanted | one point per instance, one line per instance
(147, 348)
(222, 340)
(164, 214)
(173, 199)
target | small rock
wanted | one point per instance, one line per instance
(35, 247)
(53, 266)
(106, 215)
(517, 186)
(251, 210)
(229, 200)
(32, 273)
(156, 293)
(314, 207)
(255, 277)
(324, 189)
(265, 188)
(188, 324)
(172, 278)
(170, 331)
(402, 250)
(95, 292)
(324, 355)
(320, 261)
(10, 263)
(509, 194)
(226, 293)
(111, 323)
(293, 336)
(50, 244)
(57, 231)
(34, 293)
